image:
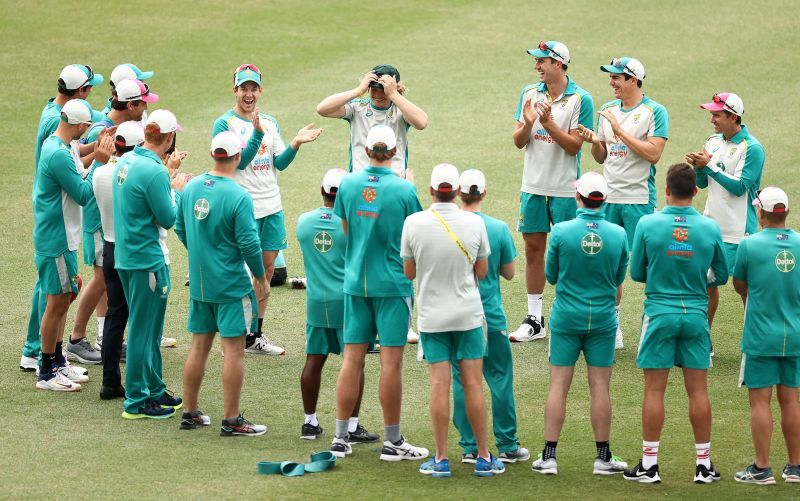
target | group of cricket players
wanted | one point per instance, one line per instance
(113, 181)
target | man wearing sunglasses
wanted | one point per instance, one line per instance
(730, 166)
(548, 116)
(632, 131)
(264, 152)
(122, 72)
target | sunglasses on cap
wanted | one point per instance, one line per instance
(91, 75)
(142, 94)
(543, 46)
(725, 105)
(757, 200)
(617, 63)
(252, 67)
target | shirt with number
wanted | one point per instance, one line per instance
(362, 115)
(503, 252)
(548, 169)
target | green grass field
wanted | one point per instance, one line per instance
(464, 63)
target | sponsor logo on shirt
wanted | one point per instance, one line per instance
(679, 219)
(721, 166)
(732, 151)
(679, 247)
(325, 216)
(323, 241)
(201, 209)
(542, 135)
(591, 243)
(209, 182)
(680, 234)
(783, 236)
(618, 150)
(591, 226)
(122, 175)
(368, 113)
(785, 261)
(373, 179)
(636, 118)
(369, 194)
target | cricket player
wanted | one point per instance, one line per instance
(498, 367)
(265, 152)
(631, 133)
(216, 224)
(547, 120)
(673, 251)
(323, 244)
(373, 204)
(122, 72)
(587, 259)
(730, 166)
(143, 182)
(767, 278)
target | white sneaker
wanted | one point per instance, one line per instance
(98, 342)
(402, 450)
(29, 364)
(529, 330)
(546, 467)
(74, 373)
(616, 465)
(58, 383)
(340, 447)
(262, 346)
(618, 342)
(413, 337)
(168, 342)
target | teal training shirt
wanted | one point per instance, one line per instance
(767, 261)
(91, 214)
(323, 244)
(587, 259)
(58, 193)
(673, 251)
(503, 252)
(141, 188)
(48, 123)
(215, 222)
(375, 203)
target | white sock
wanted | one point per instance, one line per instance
(703, 454)
(352, 424)
(101, 323)
(616, 310)
(649, 454)
(535, 305)
(312, 419)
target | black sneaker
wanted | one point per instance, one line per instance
(191, 420)
(639, 474)
(310, 432)
(703, 475)
(362, 436)
(150, 410)
(340, 447)
(112, 392)
(240, 426)
(168, 399)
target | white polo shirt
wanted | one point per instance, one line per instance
(362, 116)
(102, 180)
(447, 290)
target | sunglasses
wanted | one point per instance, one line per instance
(143, 94)
(725, 105)
(543, 46)
(252, 67)
(91, 75)
(617, 63)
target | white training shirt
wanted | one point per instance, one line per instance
(362, 116)
(447, 290)
(101, 183)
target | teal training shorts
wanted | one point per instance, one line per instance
(627, 216)
(597, 348)
(452, 346)
(232, 319)
(93, 248)
(57, 275)
(324, 340)
(388, 318)
(537, 213)
(765, 372)
(674, 339)
(272, 232)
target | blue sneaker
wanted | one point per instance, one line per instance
(490, 468)
(440, 469)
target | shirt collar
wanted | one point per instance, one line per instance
(590, 214)
(672, 209)
(444, 206)
(568, 90)
(379, 170)
(740, 136)
(141, 150)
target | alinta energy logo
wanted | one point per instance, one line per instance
(323, 241)
(785, 261)
(591, 243)
(201, 209)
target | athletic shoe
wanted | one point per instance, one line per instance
(98, 342)
(340, 448)
(186, 282)
(191, 420)
(150, 410)
(83, 352)
(310, 432)
(55, 381)
(413, 338)
(111, 392)
(168, 399)
(469, 457)
(28, 364)
(612, 467)
(752, 475)
(530, 329)
(488, 468)
(74, 373)
(618, 341)
(361, 436)
(240, 426)
(376, 348)
(297, 282)
(436, 469)
(703, 475)
(639, 474)
(545, 466)
(168, 342)
(401, 450)
(521, 454)
(791, 473)
(262, 346)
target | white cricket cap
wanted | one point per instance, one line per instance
(552, 49)
(381, 134)
(592, 182)
(134, 90)
(472, 178)
(771, 196)
(78, 111)
(165, 120)
(332, 180)
(129, 133)
(725, 101)
(76, 76)
(444, 174)
(625, 65)
(127, 70)
(229, 142)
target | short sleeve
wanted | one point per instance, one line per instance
(660, 125)
(740, 268)
(349, 110)
(508, 252)
(586, 112)
(485, 249)
(405, 242)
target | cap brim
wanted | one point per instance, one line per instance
(248, 79)
(713, 106)
(609, 68)
(96, 80)
(538, 53)
(145, 75)
(178, 127)
(151, 97)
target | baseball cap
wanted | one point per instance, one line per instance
(126, 71)
(625, 65)
(78, 111)
(76, 76)
(381, 134)
(444, 174)
(247, 73)
(385, 69)
(551, 49)
(129, 133)
(165, 120)
(592, 182)
(134, 90)
(725, 101)
(332, 180)
(771, 196)
(228, 141)
(472, 178)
